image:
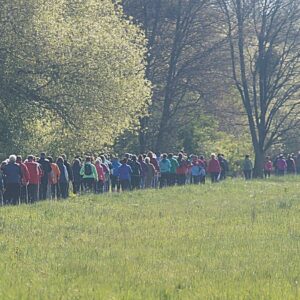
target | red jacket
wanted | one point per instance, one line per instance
(34, 172)
(183, 167)
(154, 162)
(25, 174)
(214, 166)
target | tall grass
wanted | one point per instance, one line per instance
(234, 240)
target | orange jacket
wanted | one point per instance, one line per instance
(54, 174)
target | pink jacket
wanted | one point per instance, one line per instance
(268, 166)
(100, 172)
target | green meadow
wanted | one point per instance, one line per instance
(233, 240)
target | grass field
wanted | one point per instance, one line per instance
(234, 240)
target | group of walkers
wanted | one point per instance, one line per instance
(43, 178)
(279, 166)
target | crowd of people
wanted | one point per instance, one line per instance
(34, 179)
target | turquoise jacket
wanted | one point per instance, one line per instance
(165, 166)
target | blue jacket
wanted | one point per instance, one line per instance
(195, 170)
(64, 176)
(125, 172)
(115, 167)
(12, 173)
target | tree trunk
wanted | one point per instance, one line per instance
(259, 163)
(142, 134)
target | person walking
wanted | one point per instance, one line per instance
(165, 168)
(143, 170)
(281, 165)
(195, 170)
(63, 181)
(203, 167)
(150, 174)
(107, 167)
(89, 174)
(125, 173)
(24, 180)
(46, 169)
(154, 162)
(214, 168)
(290, 165)
(34, 179)
(99, 186)
(247, 167)
(174, 166)
(77, 178)
(115, 182)
(268, 167)
(182, 169)
(54, 178)
(12, 178)
(69, 170)
(136, 173)
(224, 166)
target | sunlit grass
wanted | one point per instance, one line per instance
(234, 240)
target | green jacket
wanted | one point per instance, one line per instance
(94, 174)
(174, 165)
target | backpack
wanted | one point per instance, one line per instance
(88, 169)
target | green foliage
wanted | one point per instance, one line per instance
(234, 240)
(77, 66)
(204, 137)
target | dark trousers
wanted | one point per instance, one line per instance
(223, 175)
(106, 183)
(68, 188)
(280, 172)
(125, 184)
(172, 179)
(76, 187)
(247, 174)
(99, 187)
(202, 179)
(62, 190)
(214, 177)
(43, 188)
(163, 182)
(267, 174)
(32, 193)
(88, 184)
(115, 183)
(12, 193)
(23, 194)
(195, 179)
(135, 182)
(181, 178)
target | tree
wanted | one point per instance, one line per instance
(182, 41)
(264, 44)
(79, 67)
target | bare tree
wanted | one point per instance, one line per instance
(264, 42)
(182, 40)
